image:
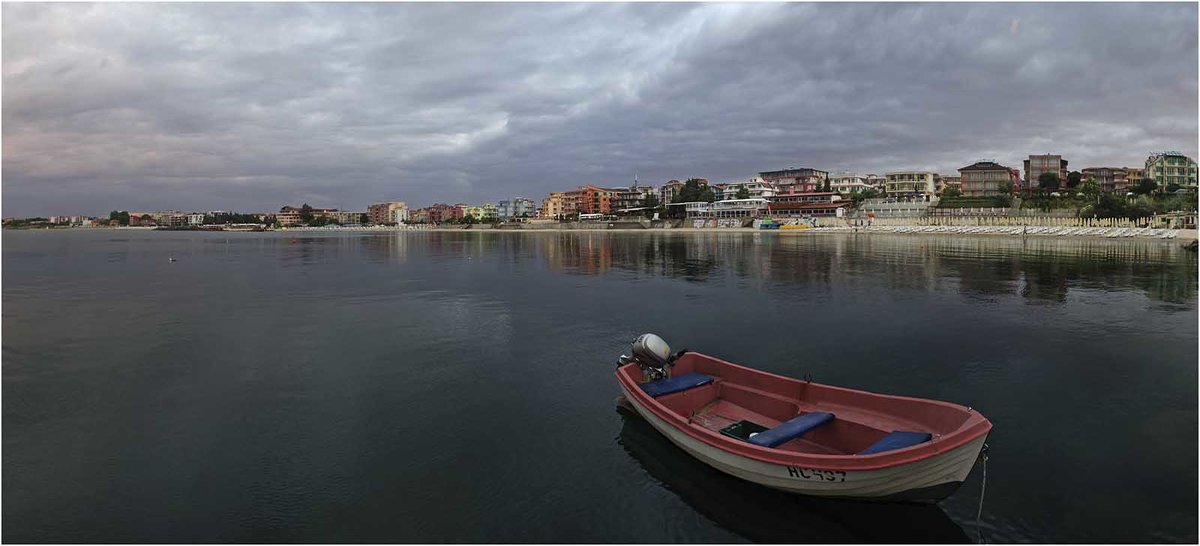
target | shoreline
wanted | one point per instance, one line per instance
(1177, 235)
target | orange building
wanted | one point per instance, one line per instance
(589, 199)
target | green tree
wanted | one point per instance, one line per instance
(951, 192)
(121, 216)
(828, 186)
(707, 195)
(1073, 179)
(650, 202)
(743, 193)
(1048, 181)
(1005, 188)
(1144, 186)
(1090, 189)
(689, 193)
(1173, 187)
(306, 214)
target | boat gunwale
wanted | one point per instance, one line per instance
(975, 426)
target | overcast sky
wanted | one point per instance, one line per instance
(251, 107)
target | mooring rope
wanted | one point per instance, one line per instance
(983, 456)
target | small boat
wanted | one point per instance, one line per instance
(799, 436)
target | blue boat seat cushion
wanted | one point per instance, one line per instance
(791, 429)
(896, 440)
(676, 384)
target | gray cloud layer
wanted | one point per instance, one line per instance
(252, 106)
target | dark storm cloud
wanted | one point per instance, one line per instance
(249, 107)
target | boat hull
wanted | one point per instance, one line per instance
(925, 480)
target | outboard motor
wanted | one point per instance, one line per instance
(652, 355)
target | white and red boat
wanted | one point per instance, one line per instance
(801, 436)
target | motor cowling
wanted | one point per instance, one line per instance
(652, 354)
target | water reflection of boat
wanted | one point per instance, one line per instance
(761, 514)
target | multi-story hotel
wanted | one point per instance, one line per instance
(668, 191)
(846, 182)
(384, 213)
(1108, 178)
(792, 180)
(553, 206)
(346, 217)
(986, 177)
(589, 199)
(1167, 168)
(516, 208)
(631, 197)
(290, 216)
(755, 187)
(1046, 163)
(440, 212)
(911, 183)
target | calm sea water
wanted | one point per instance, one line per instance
(449, 387)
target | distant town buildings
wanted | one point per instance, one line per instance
(794, 191)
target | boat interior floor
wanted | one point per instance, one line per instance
(720, 404)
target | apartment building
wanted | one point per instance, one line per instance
(986, 178)
(795, 180)
(847, 182)
(1045, 163)
(1111, 179)
(911, 183)
(384, 213)
(1167, 168)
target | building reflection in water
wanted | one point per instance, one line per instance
(1040, 269)
(1035, 269)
